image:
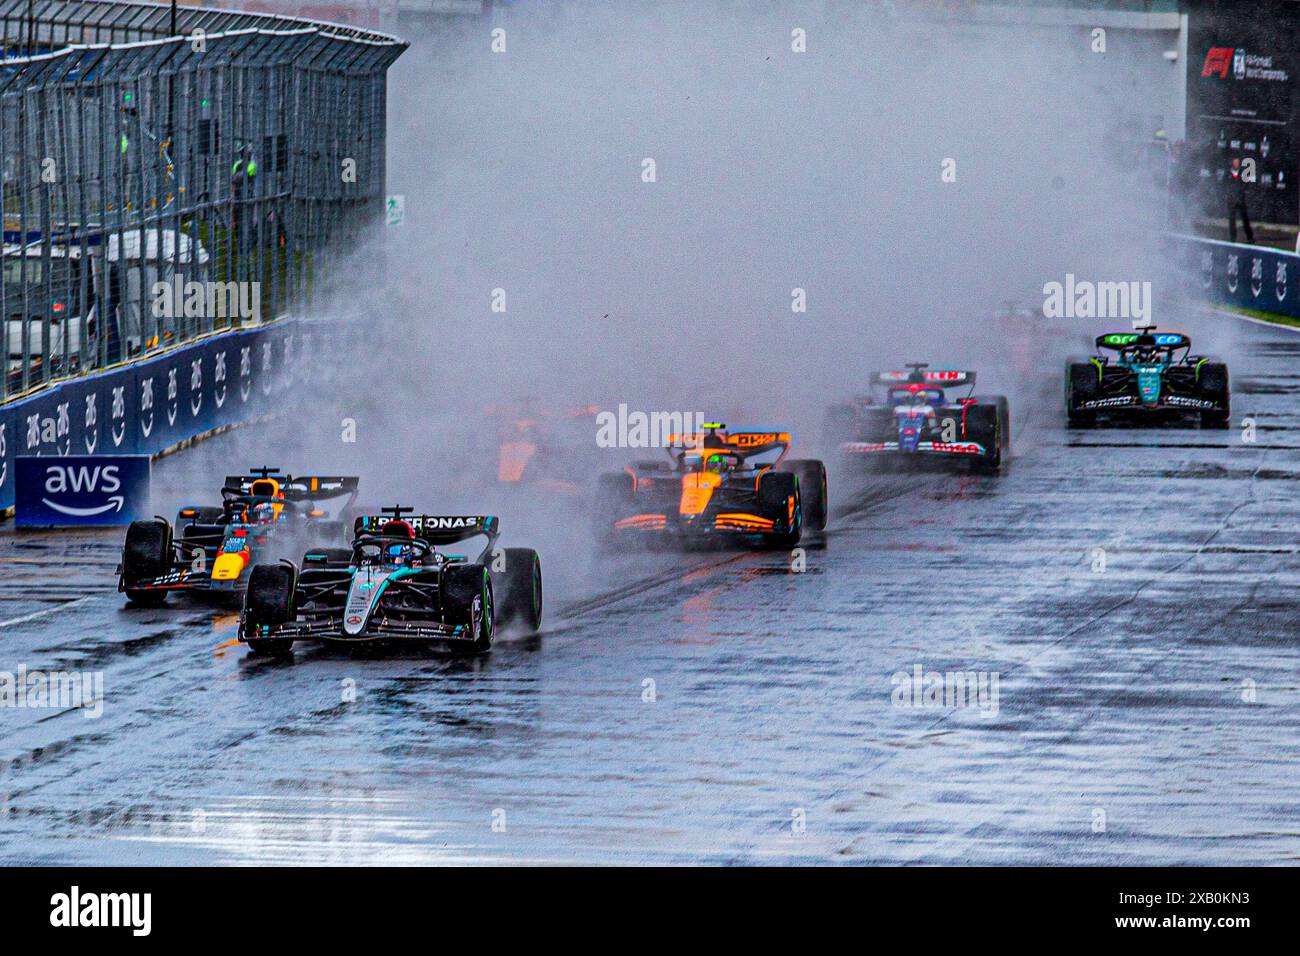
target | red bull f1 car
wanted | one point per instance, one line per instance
(716, 484)
(1152, 376)
(911, 415)
(211, 548)
(395, 583)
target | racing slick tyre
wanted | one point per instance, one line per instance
(775, 488)
(1213, 383)
(812, 489)
(1080, 384)
(467, 599)
(147, 554)
(518, 588)
(1004, 419)
(269, 601)
(984, 425)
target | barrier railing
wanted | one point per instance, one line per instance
(150, 406)
(241, 155)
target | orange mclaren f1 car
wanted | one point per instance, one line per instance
(716, 484)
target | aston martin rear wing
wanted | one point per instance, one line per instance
(1123, 340)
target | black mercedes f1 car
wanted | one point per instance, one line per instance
(396, 583)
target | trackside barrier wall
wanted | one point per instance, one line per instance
(148, 407)
(1248, 277)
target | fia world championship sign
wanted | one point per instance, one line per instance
(81, 490)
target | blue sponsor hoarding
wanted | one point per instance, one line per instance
(81, 490)
(150, 405)
(1249, 277)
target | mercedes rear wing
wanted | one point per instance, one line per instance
(435, 529)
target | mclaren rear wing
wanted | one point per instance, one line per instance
(751, 441)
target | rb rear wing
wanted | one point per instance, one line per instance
(944, 378)
(300, 487)
(436, 529)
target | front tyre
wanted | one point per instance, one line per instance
(467, 600)
(1081, 383)
(269, 602)
(147, 554)
(812, 490)
(778, 499)
(517, 588)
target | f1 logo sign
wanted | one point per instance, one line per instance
(1218, 61)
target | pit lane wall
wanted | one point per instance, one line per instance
(1238, 275)
(149, 407)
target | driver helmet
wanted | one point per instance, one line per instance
(262, 513)
(716, 463)
(399, 555)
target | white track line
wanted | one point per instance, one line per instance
(1251, 318)
(49, 610)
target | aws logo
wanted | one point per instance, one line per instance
(83, 480)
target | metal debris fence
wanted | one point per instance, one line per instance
(237, 158)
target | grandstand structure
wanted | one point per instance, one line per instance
(237, 158)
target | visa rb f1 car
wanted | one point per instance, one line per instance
(911, 417)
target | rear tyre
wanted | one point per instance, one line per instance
(983, 425)
(775, 491)
(146, 554)
(517, 588)
(812, 489)
(269, 602)
(1081, 383)
(467, 599)
(1219, 420)
(1213, 382)
(1004, 419)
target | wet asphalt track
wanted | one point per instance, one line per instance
(1120, 691)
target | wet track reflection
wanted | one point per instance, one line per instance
(1133, 591)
